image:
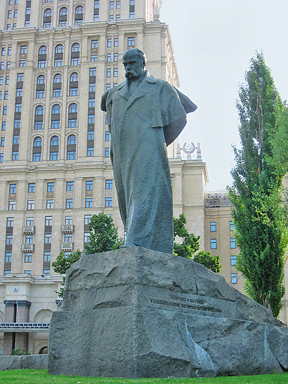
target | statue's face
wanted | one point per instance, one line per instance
(133, 65)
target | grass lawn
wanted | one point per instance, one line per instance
(40, 376)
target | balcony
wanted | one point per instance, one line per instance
(28, 230)
(24, 327)
(67, 247)
(67, 228)
(27, 247)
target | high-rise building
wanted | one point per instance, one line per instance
(57, 59)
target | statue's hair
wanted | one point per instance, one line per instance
(140, 54)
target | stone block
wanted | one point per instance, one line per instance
(140, 313)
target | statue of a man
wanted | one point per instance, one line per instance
(144, 115)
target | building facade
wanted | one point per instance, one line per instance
(57, 59)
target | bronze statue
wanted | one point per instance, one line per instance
(144, 115)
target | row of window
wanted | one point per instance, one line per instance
(213, 243)
(68, 204)
(213, 226)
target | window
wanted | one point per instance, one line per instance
(27, 23)
(39, 110)
(28, 257)
(116, 42)
(73, 92)
(57, 79)
(50, 187)
(1, 157)
(106, 152)
(9, 14)
(131, 41)
(56, 109)
(117, 17)
(91, 87)
(8, 65)
(29, 239)
(111, 18)
(59, 48)
(3, 51)
(233, 260)
(231, 226)
(68, 220)
(11, 206)
(115, 57)
(0, 95)
(232, 243)
(109, 43)
(23, 49)
(213, 244)
(88, 202)
(48, 12)
(63, 12)
(30, 221)
(94, 57)
(69, 203)
(18, 92)
(108, 184)
(90, 151)
(68, 238)
(69, 186)
(90, 135)
(41, 79)
(108, 86)
(30, 205)
(48, 221)
(37, 142)
(212, 226)
(27, 271)
(2, 141)
(40, 94)
(41, 64)
(75, 47)
(15, 13)
(108, 201)
(132, 9)
(86, 237)
(31, 188)
(92, 72)
(73, 108)
(91, 103)
(91, 119)
(36, 157)
(49, 204)
(1, 80)
(9, 239)
(89, 185)
(12, 188)
(2, 66)
(47, 256)
(46, 272)
(234, 278)
(118, 4)
(7, 80)
(9, 51)
(16, 139)
(87, 219)
(5, 110)
(20, 77)
(111, 4)
(8, 257)
(58, 63)
(71, 140)
(47, 238)
(94, 44)
(57, 92)
(18, 107)
(6, 95)
(7, 272)
(115, 72)
(10, 222)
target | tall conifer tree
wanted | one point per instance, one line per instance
(256, 194)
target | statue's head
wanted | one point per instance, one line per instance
(134, 63)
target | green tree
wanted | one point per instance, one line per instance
(63, 263)
(209, 261)
(103, 235)
(190, 243)
(258, 211)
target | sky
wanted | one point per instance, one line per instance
(213, 44)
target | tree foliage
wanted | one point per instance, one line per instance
(209, 261)
(258, 211)
(103, 235)
(190, 245)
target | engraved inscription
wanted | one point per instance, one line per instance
(184, 304)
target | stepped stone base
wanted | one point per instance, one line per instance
(140, 313)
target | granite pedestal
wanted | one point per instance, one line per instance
(139, 313)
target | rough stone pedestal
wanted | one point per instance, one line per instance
(139, 313)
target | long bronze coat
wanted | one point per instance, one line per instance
(137, 124)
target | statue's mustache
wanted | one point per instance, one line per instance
(131, 73)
